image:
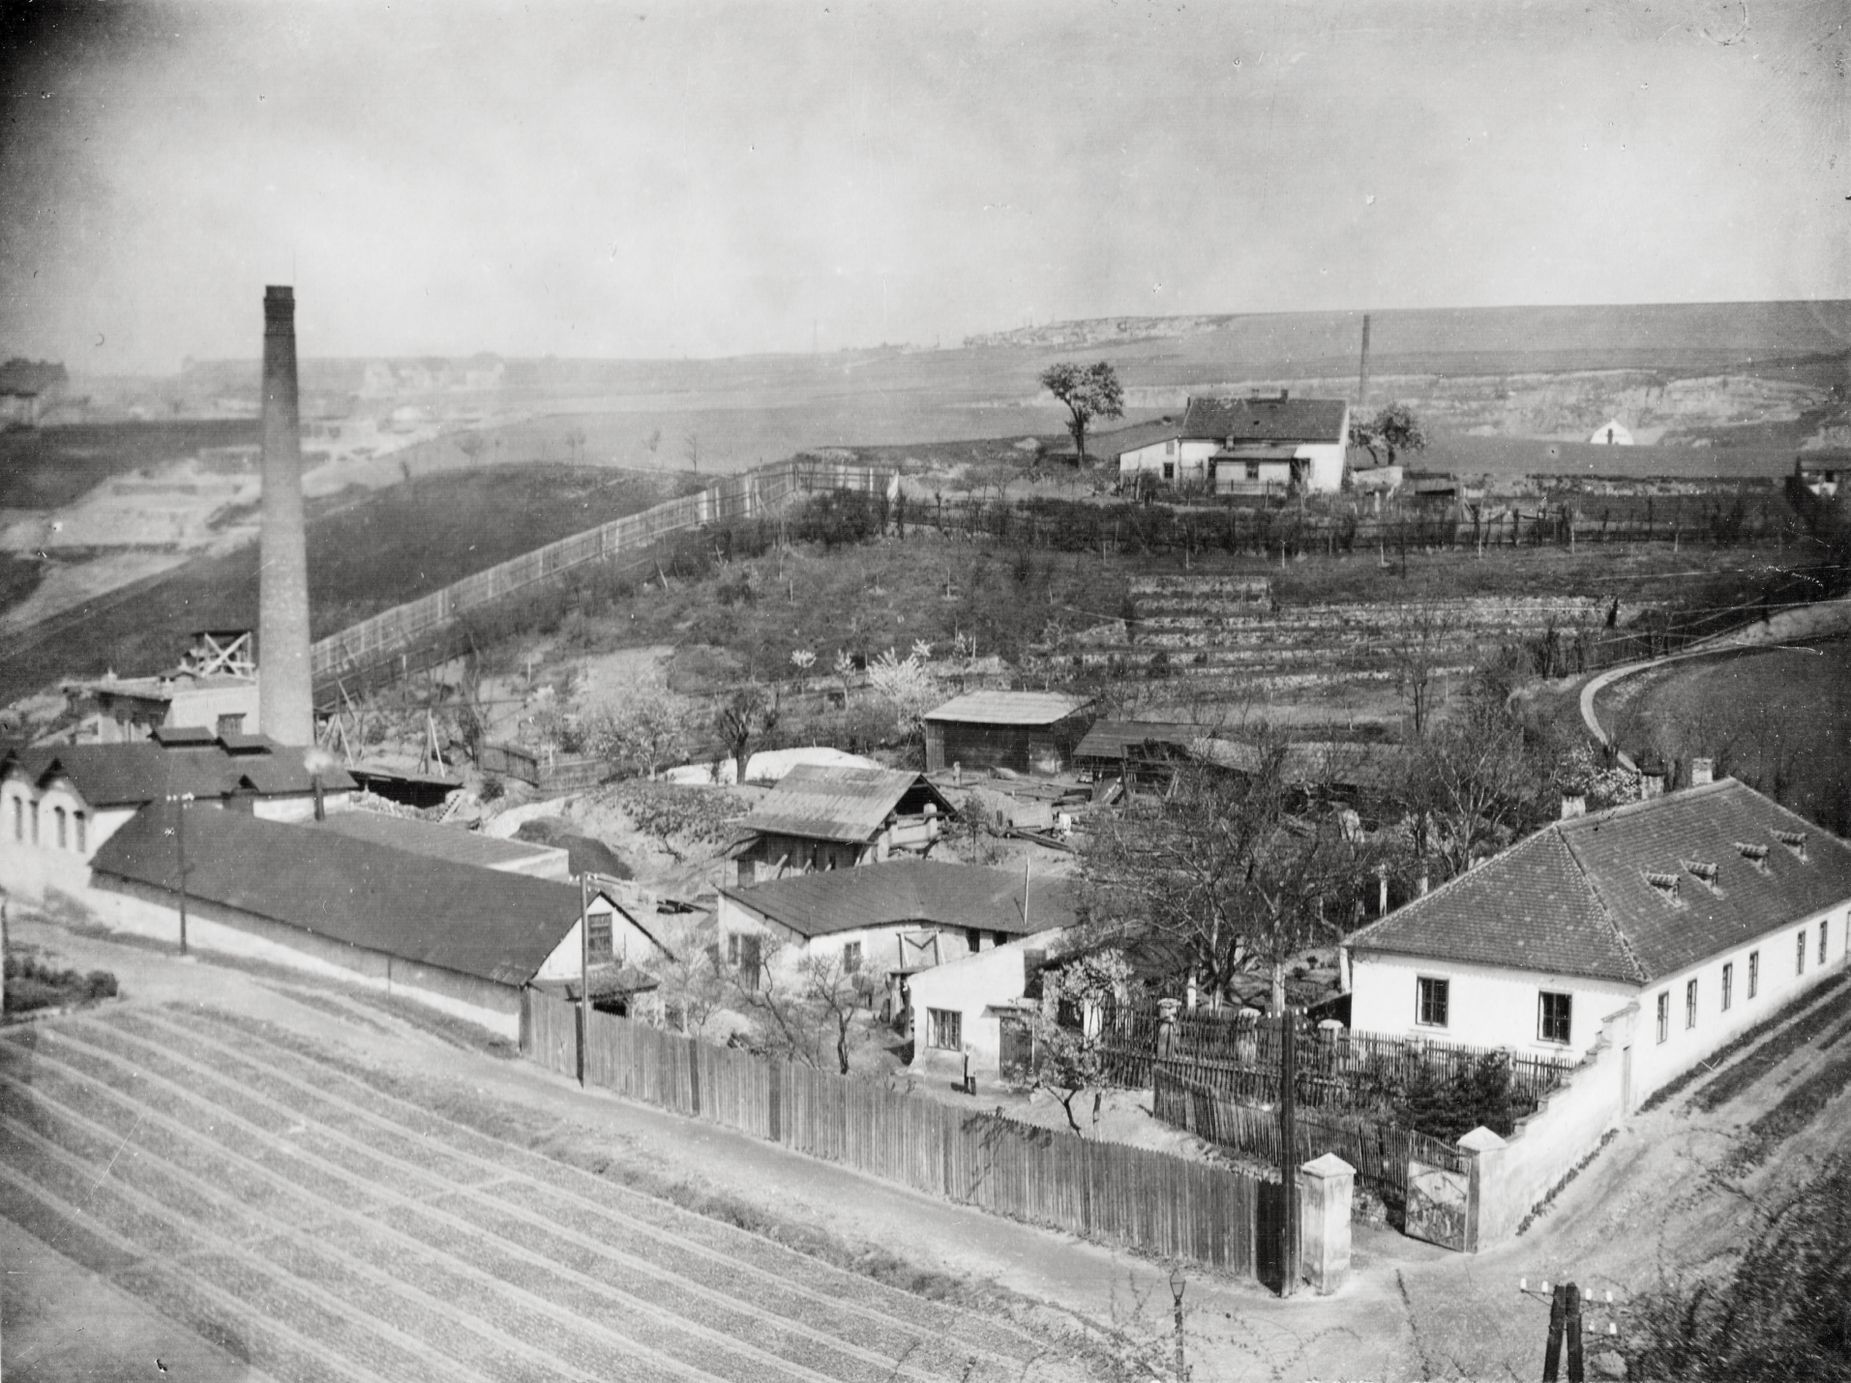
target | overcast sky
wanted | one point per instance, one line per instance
(723, 178)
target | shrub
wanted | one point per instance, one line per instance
(31, 984)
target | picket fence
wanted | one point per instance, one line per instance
(1107, 1192)
(1377, 1149)
(350, 653)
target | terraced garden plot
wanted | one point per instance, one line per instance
(340, 1231)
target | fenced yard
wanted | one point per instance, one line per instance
(1334, 1070)
(1108, 1192)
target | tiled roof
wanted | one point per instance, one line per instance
(1574, 898)
(483, 922)
(1121, 440)
(1265, 420)
(126, 775)
(910, 893)
(453, 844)
(1009, 708)
(837, 801)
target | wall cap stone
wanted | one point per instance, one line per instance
(1481, 1139)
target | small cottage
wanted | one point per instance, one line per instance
(1266, 445)
(1023, 732)
(970, 1017)
(825, 816)
(895, 919)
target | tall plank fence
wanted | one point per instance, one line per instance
(1107, 1192)
(355, 650)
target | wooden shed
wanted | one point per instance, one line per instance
(1024, 732)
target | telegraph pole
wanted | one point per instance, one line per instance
(584, 971)
(179, 800)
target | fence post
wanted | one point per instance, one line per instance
(1325, 1188)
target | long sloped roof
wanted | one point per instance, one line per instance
(124, 775)
(836, 801)
(482, 922)
(453, 844)
(1009, 708)
(1265, 420)
(1576, 899)
(910, 893)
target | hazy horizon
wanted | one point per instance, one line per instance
(717, 179)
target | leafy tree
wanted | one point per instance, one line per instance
(1065, 1031)
(908, 687)
(693, 987)
(644, 730)
(1088, 391)
(1231, 872)
(1390, 432)
(745, 718)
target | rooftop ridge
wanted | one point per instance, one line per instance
(1592, 821)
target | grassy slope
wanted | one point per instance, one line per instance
(43, 468)
(364, 556)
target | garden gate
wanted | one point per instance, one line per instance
(1439, 1183)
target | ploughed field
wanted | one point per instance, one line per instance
(253, 1190)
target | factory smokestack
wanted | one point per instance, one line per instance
(285, 708)
(1362, 380)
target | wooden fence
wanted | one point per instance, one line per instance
(351, 653)
(544, 771)
(1344, 1070)
(1377, 1149)
(1107, 1192)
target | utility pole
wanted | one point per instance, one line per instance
(584, 971)
(179, 800)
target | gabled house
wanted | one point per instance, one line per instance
(821, 817)
(1270, 445)
(1687, 918)
(894, 919)
(455, 936)
(970, 1017)
(1023, 732)
(59, 803)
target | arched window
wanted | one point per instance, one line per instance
(19, 818)
(82, 844)
(57, 816)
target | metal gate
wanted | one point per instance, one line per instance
(1437, 1203)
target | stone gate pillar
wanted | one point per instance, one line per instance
(1325, 1187)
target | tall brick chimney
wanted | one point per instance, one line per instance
(285, 708)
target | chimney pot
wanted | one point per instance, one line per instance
(1573, 807)
(1702, 772)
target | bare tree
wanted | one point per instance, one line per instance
(1477, 783)
(1068, 1060)
(810, 1007)
(1417, 645)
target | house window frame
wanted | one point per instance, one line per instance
(1799, 953)
(945, 1029)
(1690, 1003)
(35, 821)
(851, 955)
(61, 827)
(1546, 1021)
(1428, 989)
(1664, 1016)
(1823, 923)
(1169, 470)
(600, 934)
(1754, 973)
(19, 818)
(1728, 984)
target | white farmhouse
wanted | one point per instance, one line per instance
(1700, 912)
(1266, 445)
(1612, 433)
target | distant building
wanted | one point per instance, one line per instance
(1255, 446)
(215, 687)
(29, 389)
(822, 817)
(1612, 433)
(1141, 449)
(1023, 732)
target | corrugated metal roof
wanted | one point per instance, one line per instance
(1009, 708)
(120, 775)
(1265, 420)
(1574, 899)
(837, 801)
(475, 921)
(911, 893)
(453, 844)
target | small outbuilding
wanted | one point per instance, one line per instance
(837, 816)
(970, 1017)
(1023, 732)
(1612, 433)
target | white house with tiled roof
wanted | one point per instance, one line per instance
(1269, 444)
(1708, 909)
